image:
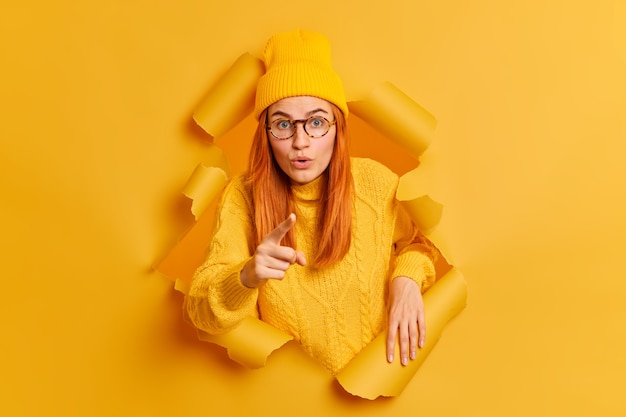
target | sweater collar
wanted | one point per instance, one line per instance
(308, 192)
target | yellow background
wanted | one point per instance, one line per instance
(97, 141)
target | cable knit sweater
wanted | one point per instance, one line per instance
(333, 312)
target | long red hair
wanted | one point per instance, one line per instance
(273, 200)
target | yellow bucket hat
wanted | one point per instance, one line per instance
(298, 63)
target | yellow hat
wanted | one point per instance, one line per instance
(298, 63)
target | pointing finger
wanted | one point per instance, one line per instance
(281, 230)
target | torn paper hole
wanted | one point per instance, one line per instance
(396, 116)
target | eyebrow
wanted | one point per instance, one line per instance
(288, 116)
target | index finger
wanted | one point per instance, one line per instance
(276, 235)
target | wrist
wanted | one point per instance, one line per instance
(247, 276)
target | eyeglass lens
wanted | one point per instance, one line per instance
(315, 127)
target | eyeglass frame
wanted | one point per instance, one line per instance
(268, 126)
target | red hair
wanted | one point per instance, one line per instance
(273, 200)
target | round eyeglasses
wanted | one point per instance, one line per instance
(315, 127)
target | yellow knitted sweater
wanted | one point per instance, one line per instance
(333, 312)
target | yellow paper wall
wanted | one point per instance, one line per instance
(97, 141)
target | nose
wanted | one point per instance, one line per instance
(300, 138)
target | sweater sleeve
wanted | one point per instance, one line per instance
(415, 254)
(217, 301)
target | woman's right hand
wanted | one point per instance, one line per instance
(271, 260)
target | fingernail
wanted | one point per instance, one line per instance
(405, 361)
(421, 343)
(390, 358)
(413, 354)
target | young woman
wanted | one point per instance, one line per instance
(310, 240)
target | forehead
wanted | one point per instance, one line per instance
(299, 106)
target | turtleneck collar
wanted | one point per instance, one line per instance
(311, 191)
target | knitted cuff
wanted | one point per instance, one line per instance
(416, 266)
(233, 293)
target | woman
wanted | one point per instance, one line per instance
(308, 239)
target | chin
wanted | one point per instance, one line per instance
(303, 179)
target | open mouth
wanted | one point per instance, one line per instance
(301, 163)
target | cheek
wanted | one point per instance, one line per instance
(328, 149)
(280, 152)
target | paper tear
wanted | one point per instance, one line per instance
(424, 211)
(232, 98)
(438, 237)
(370, 376)
(203, 186)
(250, 343)
(185, 257)
(181, 286)
(401, 119)
(397, 116)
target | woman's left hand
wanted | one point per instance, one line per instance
(406, 319)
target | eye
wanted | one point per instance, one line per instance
(316, 122)
(283, 124)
